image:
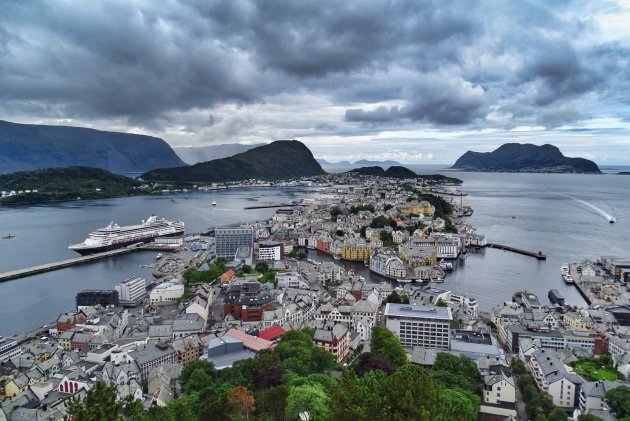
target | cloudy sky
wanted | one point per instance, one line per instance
(416, 81)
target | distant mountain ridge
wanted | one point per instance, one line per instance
(281, 159)
(362, 162)
(31, 146)
(517, 157)
(195, 154)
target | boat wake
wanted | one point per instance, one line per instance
(609, 217)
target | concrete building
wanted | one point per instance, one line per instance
(166, 293)
(91, 297)
(417, 325)
(151, 355)
(131, 291)
(552, 376)
(334, 338)
(270, 251)
(228, 240)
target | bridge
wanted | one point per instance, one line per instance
(48, 267)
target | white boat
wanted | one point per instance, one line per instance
(612, 219)
(564, 269)
(445, 265)
(567, 278)
(114, 236)
(214, 203)
(159, 256)
(404, 281)
(438, 279)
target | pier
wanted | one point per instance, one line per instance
(48, 267)
(281, 205)
(537, 254)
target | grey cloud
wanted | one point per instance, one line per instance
(437, 99)
(325, 127)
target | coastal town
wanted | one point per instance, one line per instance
(226, 295)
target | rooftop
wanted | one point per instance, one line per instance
(417, 311)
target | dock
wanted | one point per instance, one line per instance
(280, 205)
(48, 267)
(537, 254)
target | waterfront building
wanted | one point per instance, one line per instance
(270, 250)
(386, 263)
(228, 240)
(417, 325)
(131, 291)
(92, 297)
(8, 350)
(356, 250)
(414, 207)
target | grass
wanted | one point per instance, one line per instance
(597, 368)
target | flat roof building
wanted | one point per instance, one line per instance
(228, 240)
(417, 325)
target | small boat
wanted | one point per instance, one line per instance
(446, 265)
(159, 256)
(612, 219)
(438, 279)
(404, 281)
(568, 279)
(8, 236)
(214, 203)
(564, 269)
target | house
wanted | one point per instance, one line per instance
(187, 324)
(151, 355)
(333, 337)
(592, 394)
(499, 391)
(188, 349)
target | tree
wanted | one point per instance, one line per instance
(589, 417)
(311, 398)
(618, 400)
(454, 371)
(203, 365)
(387, 346)
(369, 362)
(246, 268)
(101, 404)
(262, 267)
(457, 405)
(241, 401)
(441, 303)
(394, 297)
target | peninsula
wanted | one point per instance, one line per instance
(517, 157)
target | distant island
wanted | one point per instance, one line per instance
(401, 172)
(282, 159)
(26, 147)
(195, 154)
(362, 162)
(60, 184)
(517, 157)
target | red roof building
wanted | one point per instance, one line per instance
(271, 333)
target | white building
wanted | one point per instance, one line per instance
(131, 291)
(552, 376)
(291, 280)
(387, 263)
(270, 251)
(417, 325)
(166, 293)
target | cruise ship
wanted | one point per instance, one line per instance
(114, 236)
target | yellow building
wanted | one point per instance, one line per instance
(356, 251)
(418, 208)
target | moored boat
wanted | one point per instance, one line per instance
(114, 236)
(568, 279)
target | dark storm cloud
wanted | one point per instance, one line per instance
(386, 63)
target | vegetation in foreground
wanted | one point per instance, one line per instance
(297, 377)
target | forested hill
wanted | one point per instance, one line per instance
(517, 157)
(56, 184)
(28, 146)
(282, 159)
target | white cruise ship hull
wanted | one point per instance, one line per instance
(115, 237)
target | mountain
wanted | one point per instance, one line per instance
(379, 163)
(281, 159)
(31, 146)
(392, 172)
(193, 155)
(517, 157)
(70, 183)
